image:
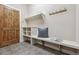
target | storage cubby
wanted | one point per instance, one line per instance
(24, 30)
(27, 31)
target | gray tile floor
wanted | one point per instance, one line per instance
(23, 49)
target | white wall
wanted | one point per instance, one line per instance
(77, 22)
(62, 25)
(23, 14)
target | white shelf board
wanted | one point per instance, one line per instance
(34, 16)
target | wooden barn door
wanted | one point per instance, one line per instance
(10, 26)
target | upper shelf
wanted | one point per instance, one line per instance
(35, 20)
(35, 16)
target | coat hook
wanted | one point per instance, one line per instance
(60, 11)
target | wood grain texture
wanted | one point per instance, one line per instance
(9, 26)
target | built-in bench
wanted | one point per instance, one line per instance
(64, 43)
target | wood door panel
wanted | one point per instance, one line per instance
(9, 35)
(15, 18)
(8, 18)
(17, 34)
(1, 16)
(4, 36)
